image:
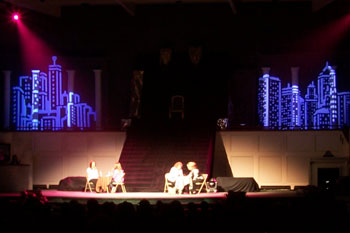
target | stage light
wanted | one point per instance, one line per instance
(15, 16)
(222, 123)
(212, 185)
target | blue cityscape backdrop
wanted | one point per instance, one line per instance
(322, 107)
(39, 103)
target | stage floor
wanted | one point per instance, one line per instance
(133, 197)
(55, 196)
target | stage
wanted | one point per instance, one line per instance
(132, 197)
(56, 196)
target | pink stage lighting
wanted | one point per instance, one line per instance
(15, 17)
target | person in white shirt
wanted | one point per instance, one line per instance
(92, 173)
(176, 178)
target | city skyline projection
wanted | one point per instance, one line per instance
(322, 107)
(39, 103)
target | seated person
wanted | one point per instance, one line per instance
(193, 177)
(176, 179)
(92, 173)
(118, 175)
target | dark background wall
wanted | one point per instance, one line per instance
(235, 47)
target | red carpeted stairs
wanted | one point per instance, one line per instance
(149, 152)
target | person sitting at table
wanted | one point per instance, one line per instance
(193, 177)
(118, 175)
(92, 173)
(176, 178)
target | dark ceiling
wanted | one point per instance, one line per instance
(54, 7)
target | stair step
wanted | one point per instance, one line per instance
(139, 180)
(138, 172)
(149, 153)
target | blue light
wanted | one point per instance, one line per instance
(269, 105)
(39, 103)
(322, 108)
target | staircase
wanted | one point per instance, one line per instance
(151, 150)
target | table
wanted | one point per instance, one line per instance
(102, 184)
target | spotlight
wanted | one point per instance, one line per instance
(212, 185)
(15, 16)
(222, 123)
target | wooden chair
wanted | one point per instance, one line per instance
(89, 185)
(201, 183)
(166, 183)
(167, 187)
(115, 187)
(177, 106)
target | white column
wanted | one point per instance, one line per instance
(295, 75)
(98, 98)
(265, 70)
(70, 74)
(7, 98)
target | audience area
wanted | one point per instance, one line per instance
(311, 212)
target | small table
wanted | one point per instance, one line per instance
(102, 184)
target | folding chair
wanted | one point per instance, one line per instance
(167, 187)
(88, 184)
(115, 187)
(201, 183)
(166, 184)
(177, 106)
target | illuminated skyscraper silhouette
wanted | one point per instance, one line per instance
(291, 107)
(39, 103)
(326, 115)
(311, 100)
(302, 112)
(322, 108)
(344, 108)
(269, 104)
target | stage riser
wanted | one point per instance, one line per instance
(148, 154)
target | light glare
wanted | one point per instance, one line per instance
(15, 17)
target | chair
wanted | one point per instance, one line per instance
(177, 106)
(201, 183)
(166, 184)
(167, 187)
(88, 184)
(115, 187)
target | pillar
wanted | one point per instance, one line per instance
(295, 75)
(265, 70)
(7, 98)
(98, 98)
(70, 86)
